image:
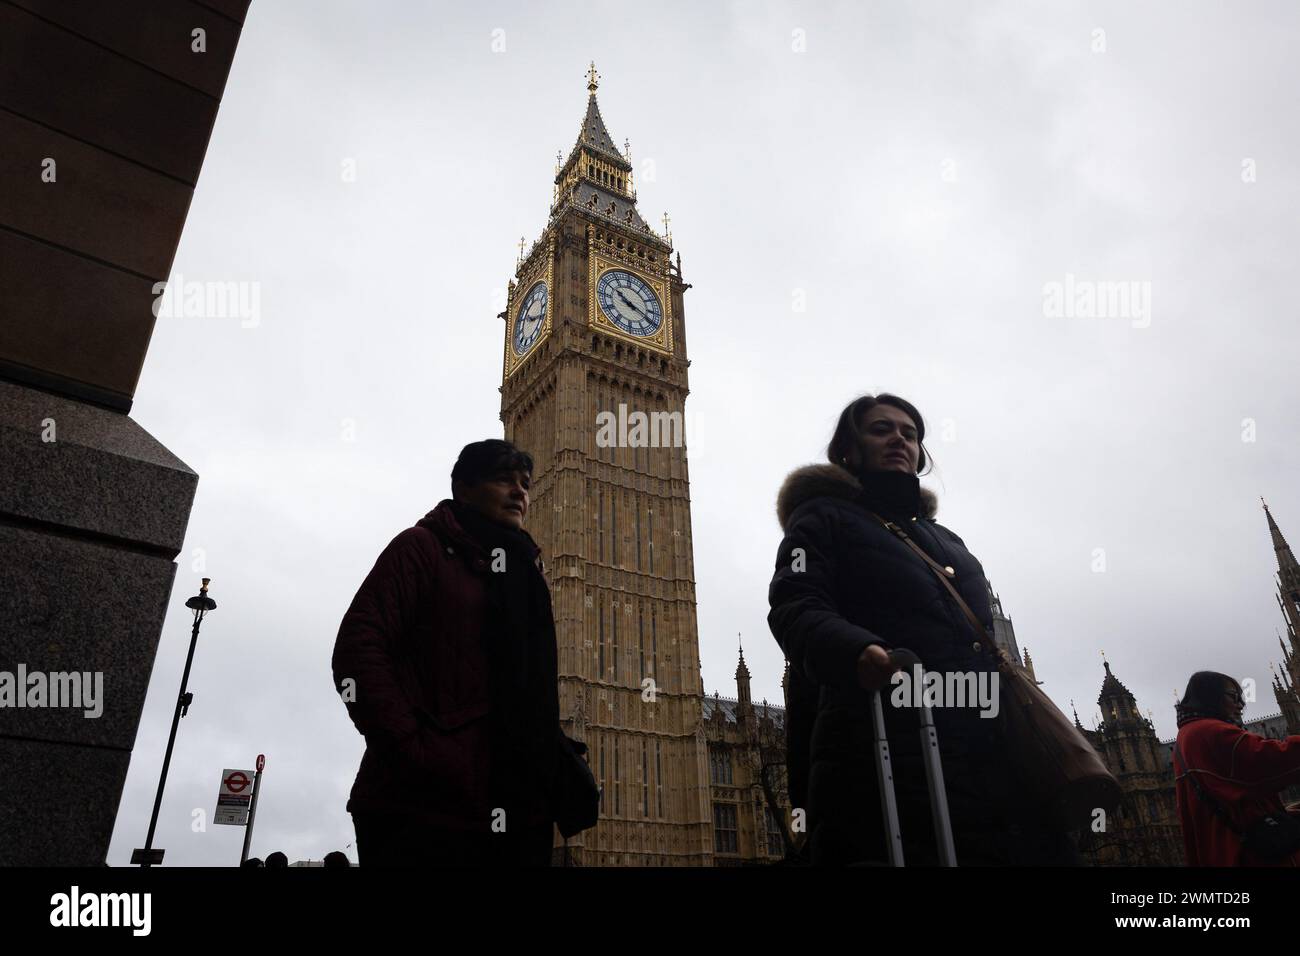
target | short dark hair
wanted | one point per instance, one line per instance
(481, 460)
(845, 448)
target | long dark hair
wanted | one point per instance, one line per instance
(1204, 697)
(845, 448)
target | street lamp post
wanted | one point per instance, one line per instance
(200, 604)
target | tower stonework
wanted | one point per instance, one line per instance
(594, 385)
(1004, 634)
(1144, 830)
(1286, 682)
(752, 822)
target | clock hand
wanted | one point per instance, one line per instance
(634, 306)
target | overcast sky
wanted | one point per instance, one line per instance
(915, 174)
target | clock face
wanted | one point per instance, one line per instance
(529, 320)
(628, 301)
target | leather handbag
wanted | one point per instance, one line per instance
(1057, 766)
(576, 798)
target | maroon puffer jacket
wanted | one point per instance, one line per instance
(412, 644)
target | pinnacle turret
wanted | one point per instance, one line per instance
(597, 176)
(742, 677)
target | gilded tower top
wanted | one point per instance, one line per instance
(597, 177)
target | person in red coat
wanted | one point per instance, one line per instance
(1227, 778)
(446, 661)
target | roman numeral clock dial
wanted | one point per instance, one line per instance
(628, 301)
(530, 318)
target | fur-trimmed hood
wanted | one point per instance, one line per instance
(821, 481)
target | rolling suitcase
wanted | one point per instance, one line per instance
(903, 659)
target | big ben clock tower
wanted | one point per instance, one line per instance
(595, 341)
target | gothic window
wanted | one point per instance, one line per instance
(618, 782)
(600, 531)
(636, 507)
(724, 828)
(645, 779)
(603, 786)
(659, 780)
(613, 530)
(650, 518)
(640, 639)
(608, 453)
(720, 766)
(600, 614)
(614, 622)
(654, 641)
(775, 845)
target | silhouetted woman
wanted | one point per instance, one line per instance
(845, 591)
(1228, 778)
(446, 661)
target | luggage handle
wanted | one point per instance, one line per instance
(900, 658)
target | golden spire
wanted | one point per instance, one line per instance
(521, 250)
(666, 221)
(593, 79)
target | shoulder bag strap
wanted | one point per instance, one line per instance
(940, 571)
(1215, 807)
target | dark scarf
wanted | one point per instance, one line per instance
(891, 494)
(519, 637)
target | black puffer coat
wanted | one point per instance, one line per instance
(852, 584)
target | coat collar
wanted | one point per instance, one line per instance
(442, 521)
(832, 481)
